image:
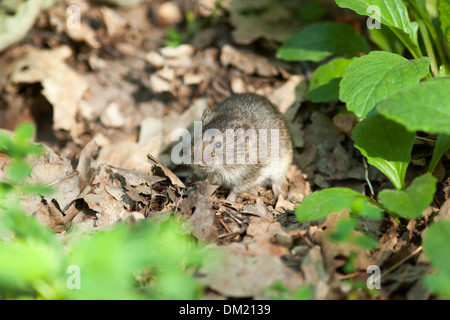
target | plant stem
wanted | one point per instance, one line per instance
(421, 15)
(429, 47)
(415, 51)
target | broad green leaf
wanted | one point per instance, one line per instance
(321, 203)
(362, 208)
(324, 84)
(370, 79)
(444, 11)
(317, 42)
(436, 247)
(387, 146)
(439, 284)
(414, 200)
(392, 13)
(441, 146)
(423, 107)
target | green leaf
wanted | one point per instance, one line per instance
(387, 146)
(441, 146)
(317, 42)
(362, 208)
(444, 11)
(311, 11)
(321, 203)
(26, 265)
(6, 142)
(392, 13)
(38, 189)
(24, 131)
(414, 200)
(18, 171)
(423, 107)
(439, 284)
(27, 228)
(119, 253)
(344, 230)
(366, 242)
(324, 84)
(386, 40)
(370, 79)
(436, 248)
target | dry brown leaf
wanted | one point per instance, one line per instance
(62, 87)
(444, 211)
(84, 34)
(135, 178)
(234, 274)
(313, 268)
(202, 218)
(115, 24)
(169, 174)
(344, 124)
(335, 253)
(126, 155)
(51, 217)
(112, 116)
(258, 209)
(55, 170)
(248, 62)
(285, 95)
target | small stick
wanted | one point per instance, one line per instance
(72, 211)
(395, 266)
(224, 225)
(70, 175)
(236, 233)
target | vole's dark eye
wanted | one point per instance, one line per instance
(218, 144)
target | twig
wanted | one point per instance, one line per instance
(224, 225)
(72, 211)
(395, 266)
(70, 175)
(236, 233)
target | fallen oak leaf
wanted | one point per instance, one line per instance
(167, 172)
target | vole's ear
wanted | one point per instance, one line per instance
(206, 116)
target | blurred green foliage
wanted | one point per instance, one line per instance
(144, 260)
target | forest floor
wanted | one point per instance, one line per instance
(107, 95)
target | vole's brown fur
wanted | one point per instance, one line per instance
(245, 111)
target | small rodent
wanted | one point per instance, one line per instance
(234, 140)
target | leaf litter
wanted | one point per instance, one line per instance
(106, 99)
